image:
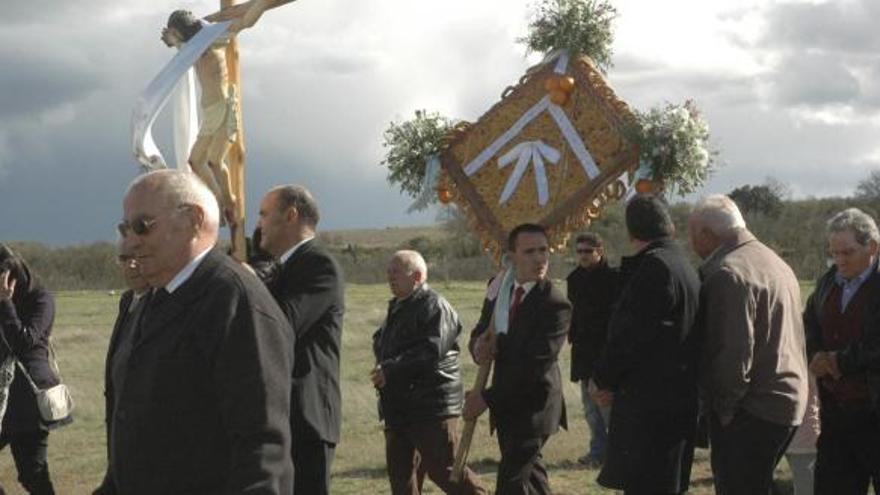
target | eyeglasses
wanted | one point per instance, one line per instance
(586, 250)
(126, 260)
(139, 226)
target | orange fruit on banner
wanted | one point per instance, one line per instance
(551, 83)
(566, 84)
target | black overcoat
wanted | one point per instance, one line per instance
(650, 364)
(206, 398)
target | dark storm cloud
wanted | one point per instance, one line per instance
(844, 27)
(826, 54)
(815, 80)
(39, 80)
(645, 79)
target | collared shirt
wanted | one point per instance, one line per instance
(184, 275)
(527, 287)
(287, 254)
(851, 286)
(136, 298)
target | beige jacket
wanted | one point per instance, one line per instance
(754, 356)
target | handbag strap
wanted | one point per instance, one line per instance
(53, 362)
(27, 375)
(18, 362)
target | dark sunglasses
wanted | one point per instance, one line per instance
(586, 250)
(138, 226)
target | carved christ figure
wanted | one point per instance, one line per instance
(218, 124)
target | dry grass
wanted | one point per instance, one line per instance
(77, 452)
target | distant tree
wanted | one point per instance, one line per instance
(869, 187)
(765, 199)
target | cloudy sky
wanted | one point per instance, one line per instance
(791, 90)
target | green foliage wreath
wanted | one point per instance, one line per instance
(410, 145)
(674, 141)
(583, 27)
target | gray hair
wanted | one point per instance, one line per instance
(178, 188)
(719, 214)
(299, 197)
(856, 221)
(412, 261)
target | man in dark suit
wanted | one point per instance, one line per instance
(198, 386)
(650, 360)
(530, 321)
(309, 288)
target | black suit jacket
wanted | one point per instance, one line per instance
(204, 406)
(592, 293)
(310, 291)
(525, 395)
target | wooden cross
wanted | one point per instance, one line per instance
(236, 157)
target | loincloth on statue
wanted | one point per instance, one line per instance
(221, 115)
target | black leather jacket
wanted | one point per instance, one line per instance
(417, 349)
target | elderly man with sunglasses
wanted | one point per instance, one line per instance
(199, 383)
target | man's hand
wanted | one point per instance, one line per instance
(474, 405)
(833, 367)
(7, 286)
(484, 348)
(378, 376)
(822, 365)
(166, 37)
(602, 397)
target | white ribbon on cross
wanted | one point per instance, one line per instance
(534, 152)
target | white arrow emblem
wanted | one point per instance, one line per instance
(534, 152)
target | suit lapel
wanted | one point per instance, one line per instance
(158, 318)
(291, 266)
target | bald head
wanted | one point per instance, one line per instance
(407, 271)
(170, 217)
(174, 189)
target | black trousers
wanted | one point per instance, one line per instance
(311, 466)
(29, 453)
(522, 470)
(745, 453)
(848, 456)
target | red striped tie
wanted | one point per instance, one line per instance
(514, 306)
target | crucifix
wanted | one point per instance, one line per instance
(218, 154)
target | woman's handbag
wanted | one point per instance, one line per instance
(54, 403)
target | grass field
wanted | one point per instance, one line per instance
(77, 452)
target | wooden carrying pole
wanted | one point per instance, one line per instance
(235, 157)
(467, 433)
(228, 9)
